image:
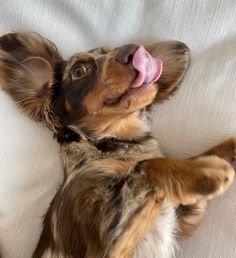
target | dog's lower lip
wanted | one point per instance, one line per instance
(138, 91)
(124, 95)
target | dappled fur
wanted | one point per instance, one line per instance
(120, 197)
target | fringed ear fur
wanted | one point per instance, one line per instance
(27, 63)
(175, 56)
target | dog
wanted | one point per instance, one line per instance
(120, 196)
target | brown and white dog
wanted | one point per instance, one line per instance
(120, 197)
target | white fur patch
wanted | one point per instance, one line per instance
(160, 242)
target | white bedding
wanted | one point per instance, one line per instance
(201, 114)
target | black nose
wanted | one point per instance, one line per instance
(125, 53)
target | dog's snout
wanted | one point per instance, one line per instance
(125, 53)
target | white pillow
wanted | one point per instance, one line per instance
(201, 114)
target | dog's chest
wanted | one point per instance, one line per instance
(160, 242)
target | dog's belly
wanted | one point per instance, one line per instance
(160, 242)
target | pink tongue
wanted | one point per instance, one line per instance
(149, 68)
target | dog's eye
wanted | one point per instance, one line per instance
(79, 71)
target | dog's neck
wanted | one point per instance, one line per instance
(133, 129)
(106, 144)
(77, 154)
(86, 147)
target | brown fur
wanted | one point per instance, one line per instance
(175, 62)
(190, 216)
(116, 179)
(140, 226)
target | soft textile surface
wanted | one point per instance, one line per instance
(201, 114)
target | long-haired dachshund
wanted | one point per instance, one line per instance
(120, 196)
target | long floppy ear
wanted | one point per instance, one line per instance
(27, 63)
(175, 56)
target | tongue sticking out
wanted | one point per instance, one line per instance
(149, 68)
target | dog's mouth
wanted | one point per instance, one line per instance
(148, 70)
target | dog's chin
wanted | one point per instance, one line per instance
(145, 91)
(135, 98)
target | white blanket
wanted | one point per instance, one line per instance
(201, 114)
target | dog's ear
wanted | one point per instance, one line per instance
(27, 64)
(175, 56)
(39, 72)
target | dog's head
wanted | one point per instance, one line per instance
(101, 93)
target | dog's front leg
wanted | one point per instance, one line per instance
(190, 216)
(188, 181)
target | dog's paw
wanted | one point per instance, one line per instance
(230, 146)
(229, 150)
(225, 150)
(215, 176)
